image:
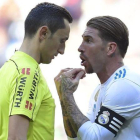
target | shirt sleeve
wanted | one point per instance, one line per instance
(24, 93)
(93, 131)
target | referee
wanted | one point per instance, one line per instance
(27, 109)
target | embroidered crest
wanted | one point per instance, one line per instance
(104, 118)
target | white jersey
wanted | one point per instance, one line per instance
(114, 109)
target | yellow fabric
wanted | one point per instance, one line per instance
(23, 90)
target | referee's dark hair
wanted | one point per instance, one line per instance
(111, 29)
(46, 14)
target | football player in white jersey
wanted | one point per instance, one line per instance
(114, 107)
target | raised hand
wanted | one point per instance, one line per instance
(67, 80)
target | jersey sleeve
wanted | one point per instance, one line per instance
(93, 131)
(24, 97)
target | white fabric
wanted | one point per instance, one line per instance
(120, 93)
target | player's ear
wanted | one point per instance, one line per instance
(111, 48)
(44, 32)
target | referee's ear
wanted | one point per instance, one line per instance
(44, 33)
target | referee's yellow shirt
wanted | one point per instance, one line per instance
(23, 90)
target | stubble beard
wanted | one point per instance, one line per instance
(89, 70)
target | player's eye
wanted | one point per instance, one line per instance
(87, 40)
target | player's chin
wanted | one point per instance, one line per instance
(89, 70)
(47, 61)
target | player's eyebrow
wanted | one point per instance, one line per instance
(87, 36)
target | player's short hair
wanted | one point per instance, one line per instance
(111, 29)
(46, 14)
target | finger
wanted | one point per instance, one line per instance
(62, 71)
(74, 71)
(79, 75)
(83, 76)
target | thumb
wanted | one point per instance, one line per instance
(79, 75)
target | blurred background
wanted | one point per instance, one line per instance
(14, 12)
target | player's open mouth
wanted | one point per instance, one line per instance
(83, 60)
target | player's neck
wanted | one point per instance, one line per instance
(109, 70)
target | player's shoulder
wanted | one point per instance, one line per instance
(123, 80)
(125, 73)
(127, 84)
(123, 93)
(125, 76)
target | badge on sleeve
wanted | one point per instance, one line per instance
(104, 118)
(109, 119)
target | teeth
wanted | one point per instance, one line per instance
(82, 61)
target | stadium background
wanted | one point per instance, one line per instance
(14, 12)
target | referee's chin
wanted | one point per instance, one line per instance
(48, 61)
